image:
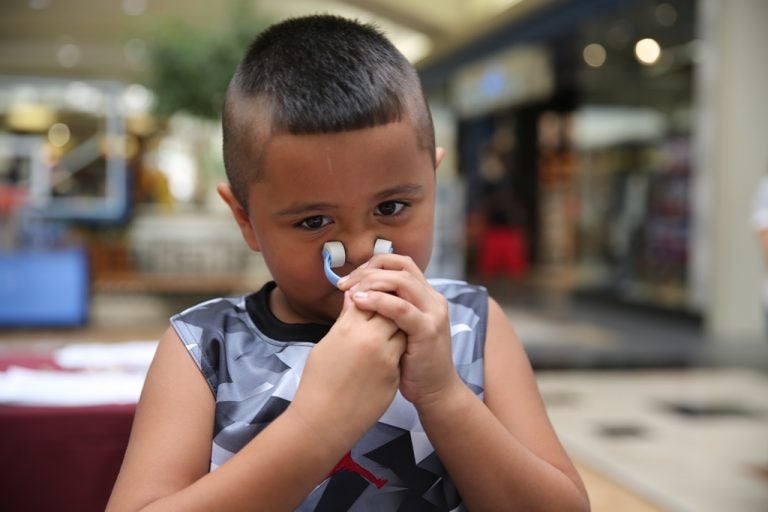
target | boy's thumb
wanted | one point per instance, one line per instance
(348, 303)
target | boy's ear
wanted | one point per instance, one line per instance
(439, 154)
(240, 215)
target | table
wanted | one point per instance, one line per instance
(59, 458)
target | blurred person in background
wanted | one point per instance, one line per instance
(502, 245)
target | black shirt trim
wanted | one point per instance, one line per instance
(257, 305)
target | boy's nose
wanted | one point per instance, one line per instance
(359, 249)
(335, 256)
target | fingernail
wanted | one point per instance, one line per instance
(342, 279)
(361, 295)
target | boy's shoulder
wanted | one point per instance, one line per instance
(232, 305)
(467, 303)
(220, 314)
(456, 288)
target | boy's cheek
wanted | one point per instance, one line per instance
(420, 253)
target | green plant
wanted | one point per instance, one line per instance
(190, 68)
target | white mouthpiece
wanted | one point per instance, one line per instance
(382, 246)
(336, 252)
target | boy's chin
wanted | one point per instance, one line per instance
(336, 303)
(328, 309)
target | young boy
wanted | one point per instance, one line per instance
(388, 392)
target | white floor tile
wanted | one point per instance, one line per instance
(679, 463)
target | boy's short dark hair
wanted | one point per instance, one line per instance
(316, 74)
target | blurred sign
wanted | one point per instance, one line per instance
(44, 288)
(512, 77)
(600, 127)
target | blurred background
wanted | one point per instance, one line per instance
(603, 160)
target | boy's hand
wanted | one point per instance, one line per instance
(352, 375)
(394, 287)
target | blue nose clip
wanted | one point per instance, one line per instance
(334, 256)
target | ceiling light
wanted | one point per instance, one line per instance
(647, 51)
(594, 55)
(82, 96)
(134, 7)
(39, 5)
(30, 117)
(58, 134)
(68, 55)
(666, 14)
(137, 99)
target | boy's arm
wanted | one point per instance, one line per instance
(166, 464)
(171, 435)
(502, 453)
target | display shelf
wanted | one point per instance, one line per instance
(179, 283)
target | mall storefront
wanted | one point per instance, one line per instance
(574, 127)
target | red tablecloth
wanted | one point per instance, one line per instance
(60, 459)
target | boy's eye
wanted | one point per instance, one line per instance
(314, 222)
(390, 208)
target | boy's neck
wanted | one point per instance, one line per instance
(283, 311)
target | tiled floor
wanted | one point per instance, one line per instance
(682, 440)
(654, 422)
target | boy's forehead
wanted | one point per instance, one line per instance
(372, 161)
(396, 142)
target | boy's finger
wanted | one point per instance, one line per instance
(381, 322)
(348, 302)
(395, 262)
(391, 262)
(400, 283)
(349, 307)
(399, 342)
(401, 312)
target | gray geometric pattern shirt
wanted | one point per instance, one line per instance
(253, 364)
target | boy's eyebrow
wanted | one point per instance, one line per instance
(300, 208)
(406, 189)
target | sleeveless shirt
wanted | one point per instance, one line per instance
(253, 364)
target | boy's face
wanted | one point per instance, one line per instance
(354, 187)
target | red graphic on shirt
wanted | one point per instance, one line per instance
(348, 464)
